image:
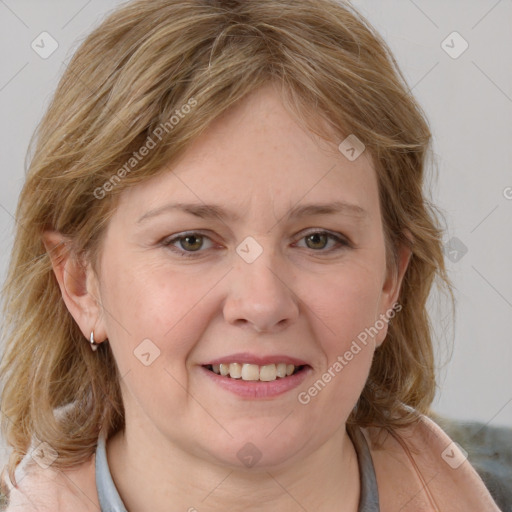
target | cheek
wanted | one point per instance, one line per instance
(144, 303)
(344, 307)
(345, 313)
(345, 304)
(153, 321)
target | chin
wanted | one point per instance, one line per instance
(260, 447)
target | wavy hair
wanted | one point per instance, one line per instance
(143, 65)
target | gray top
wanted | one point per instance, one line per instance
(369, 498)
(110, 501)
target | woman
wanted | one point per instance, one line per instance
(219, 278)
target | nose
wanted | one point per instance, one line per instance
(261, 295)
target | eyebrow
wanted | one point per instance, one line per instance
(205, 211)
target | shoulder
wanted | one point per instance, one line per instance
(419, 468)
(45, 489)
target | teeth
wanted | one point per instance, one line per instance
(235, 371)
(254, 372)
(268, 372)
(281, 370)
(250, 372)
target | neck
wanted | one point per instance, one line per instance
(325, 480)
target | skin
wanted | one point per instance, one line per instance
(304, 297)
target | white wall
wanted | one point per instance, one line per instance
(468, 101)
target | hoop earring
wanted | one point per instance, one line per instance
(94, 345)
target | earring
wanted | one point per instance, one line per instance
(94, 345)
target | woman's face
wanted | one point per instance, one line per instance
(252, 286)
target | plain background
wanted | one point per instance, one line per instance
(468, 101)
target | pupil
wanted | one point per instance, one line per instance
(192, 237)
(316, 235)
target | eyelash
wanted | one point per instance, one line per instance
(194, 254)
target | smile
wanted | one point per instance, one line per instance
(252, 381)
(254, 372)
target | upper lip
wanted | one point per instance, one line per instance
(246, 358)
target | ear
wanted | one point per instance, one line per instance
(78, 284)
(391, 287)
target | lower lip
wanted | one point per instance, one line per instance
(258, 389)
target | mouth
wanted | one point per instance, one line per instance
(256, 376)
(254, 372)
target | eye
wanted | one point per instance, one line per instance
(318, 240)
(189, 242)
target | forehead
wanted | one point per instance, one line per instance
(257, 155)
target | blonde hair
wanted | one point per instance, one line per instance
(142, 65)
